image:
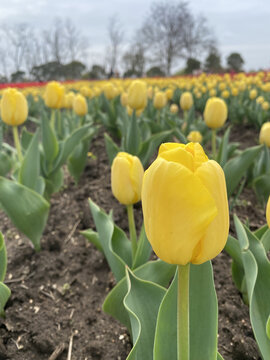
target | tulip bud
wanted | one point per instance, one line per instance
(225, 94)
(80, 105)
(69, 98)
(260, 100)
(124, 99)
(160, 100)
(54, 95)
(14, 108)
(212, 92)
(265, 105)
(109, 91)
(234, 91)
(185, 205)
(186, 101)
(169, 94)
(215, 113)
(137, 95)
(174, 109)
(195, 136)
(265, 134)
(253, 94)
(268, 212)
(126, 178)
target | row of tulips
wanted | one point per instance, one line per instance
(184, 197)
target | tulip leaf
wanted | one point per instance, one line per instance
(142, 302)
(265, 240)
(30, 168)
(92, 237)
(77, 160)
(49, 143)
(203, 317)
(180, 136)
(261, 185)
(260, 232)
(111, 148)
(219, 357)
(144, 250)
(236, 168)
(3, 258)
(5, 164)
(4, 296)
(257, 274)
(223, 148)
(151, 145)
(268, 327)
(26, 138)
(53, 182)
(156, 271)
(115, 244)
(133, 139)
(26, 209)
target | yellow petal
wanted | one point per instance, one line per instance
(212, 176)
(177, 209)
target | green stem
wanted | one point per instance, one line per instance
(52, 118)
(214, 147)
(183, 313)
(17, 143)
(132, 230)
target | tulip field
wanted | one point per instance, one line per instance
(135, 219)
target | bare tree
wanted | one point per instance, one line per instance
(56, 42)
(134, 59)
(75, 42)
(115, 34)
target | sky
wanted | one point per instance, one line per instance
(239, 25)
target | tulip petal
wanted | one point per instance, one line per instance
(212, 176)
(177, 209)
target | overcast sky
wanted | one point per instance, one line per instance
(240, 25)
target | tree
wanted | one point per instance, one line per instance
(73, 70)
(192, 65)
(235, 62)
(171, 32)
(115, 34)
(213, 61)
(134, 60)
(18, 76)
(155, 71)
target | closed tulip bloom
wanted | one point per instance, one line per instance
(195, 136)
(126, 178)
(124, 99)
(268, 212)
(215, 113)
(54, 95)
(137, 95)
(69, 98)
(260, 100)
(14, 108)
(186, 101)
(174, 109)
(265, 105)
(185, 205)
(225, 94)
(265, 134)
(253, 94)
(160, 100)
(80, 105)
(110, 91)
(169, 94)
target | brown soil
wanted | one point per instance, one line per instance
(57, 294)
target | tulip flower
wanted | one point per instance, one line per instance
(169, 94)
(265, 105)
(80, 105)
(54, 95)
(195, 136)
(160, 100)
(126, 182)
(215, 115)
(69, 98)
(268, 212)
(253, 94)
(137, 95)
(174, 109)
(264, 137)
(14, 111)
(186, 101)
(109, 91)
(124, 99)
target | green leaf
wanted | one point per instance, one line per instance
(265, 240)
(26, 138)
(144, 250)
(259, 232)
(5, 164)
(223, 148)
(26, 209)
(3, 258)
(156, 271)
(111, 148)
(261, 185)
(115, 244)
(53, 182)
(4, 296)
(77, 160)
(257, 274)
(49, 143)
(30, 168)
(219, 357)
(133, 139)
(142, 303)
(92, 237)
(236, 168)
(268, 328)
(180, 136)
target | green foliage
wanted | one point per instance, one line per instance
(4, 290)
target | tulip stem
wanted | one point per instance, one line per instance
(17, 143)
(132, 230)
(52, 118)
(183, 313)
(214, 147)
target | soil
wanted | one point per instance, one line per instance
(57, 294)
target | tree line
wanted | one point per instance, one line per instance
(169, 34)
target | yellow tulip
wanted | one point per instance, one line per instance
(137, 95)
(160, 100)
(124, 99)
(169, 94)
(14, 108)
(265, 105)
(265, 134)
(213, 92)
(225, 94)
(54, 95)
(80, 105)
(260, 100)
(186, 101)
(174, 109)
(215, 113)
(234, 91)
(110, 91)
(69, 98)
(195, 136)
(253, 94)
(126, 178)
(185, 205)
(268, 212)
